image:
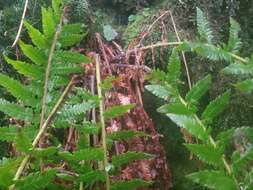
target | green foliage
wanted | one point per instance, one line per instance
(215, 107)
(117, 111)
(227, 168)
(199, 90)
(213, 180)
(203, 27)
(128, 157)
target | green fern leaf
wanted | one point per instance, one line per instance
(161, 91)
(66, 69)
(177, 108)
(26, 69)
(128, 157)
(204, 29)
(125, 135)
(206, 153)
(224, 138)
(37, 56)
(8, 133)
(216, 107)
(23, 143)
(36, 181)
(89, 154)
(70, 57)
(75, 28)
(117, 111)
(245, 86)
(239, 69)
(48, 23)
(17, 90)
(56, 5)
(8, 168)
(36, 36)
(213, 179)
(191, 125)
(243, 161)
(69, 111)
(130, 185)
(39, 153)
(92, 177)
(16, 111)
(174, 69)
(211, 52)
(199, 89)
(234, 42)
(70, 39)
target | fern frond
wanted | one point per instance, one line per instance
(239, 69)
(211, 52)
(126, 158)
(70, 57)
(191, 125)
(215, 107)
(48, 23)
(16, 111)
(7, 171)
(17, 90)
(224, 138)
(36, 36)
(22, 142)
(70, 39)
(26, 69)
(66, 69)
(199, 90)
(8, 133)
(245, 86)
(213, 179)
(117, 111)
(92, 177)
(234, 42)
(34, 54)
(174, 69)
(44, 152)
(125, 135)
(130, 185)
(36, 181)
(204, 29)
(177, 108)
(164, 92)
(207, 153)
(56, 5)
(243, 161)
(75, 28)
(70, 111)
(89, 154)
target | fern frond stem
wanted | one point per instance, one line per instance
(42, 130)
(21, 24)
(157, 45)
(212, 141)
(183, 54)
(48, 69)
(238, 58)
(102, 119)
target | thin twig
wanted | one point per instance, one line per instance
(100, 43)
(102, 119)
(183, 54)
(20, 25)
(151, 26)
(144, 67)
(42, 130)
(48, 69)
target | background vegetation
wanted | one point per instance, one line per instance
(128, 19)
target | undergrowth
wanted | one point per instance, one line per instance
(225, 169)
